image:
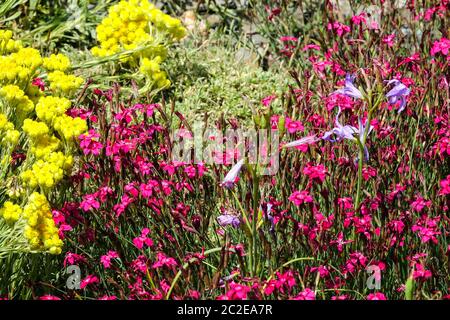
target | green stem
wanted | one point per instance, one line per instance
(177, 276)
(255, 219)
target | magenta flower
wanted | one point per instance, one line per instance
(376, 296)
(318, 172)
(420, 203)
(445, 186)
(49, 297)
(163, 260)
(420, 272)
(143, 239)
(38, 82)
(237, 292)
(230, 178)
(106, 297)
(398, 94)
(90, 144)
(349, 88)
(73, 258)
(306, 294)
(106, 259)
(340, 28)
(442, 45)
(340, 242)
(389, 40)
(300, 197)
(268, 100)
(90, 279)
(89, 202)
(293, 126)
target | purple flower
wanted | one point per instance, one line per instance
(228, 219)
(347, 132)
(398, 93)
(230, 178)
(349, 88)
(340, 132)
(305, 140)
(268, 212)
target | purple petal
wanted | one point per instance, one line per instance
(228, 219)
(305, 140)
(228, 181)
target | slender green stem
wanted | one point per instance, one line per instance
(255, 219)
(177, 276)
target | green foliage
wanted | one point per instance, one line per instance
(220, 75)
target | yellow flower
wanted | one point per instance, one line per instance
(48, 108)
(56, 62)
(35, 129)
(10, 212)
(63, 83)
(70, 128)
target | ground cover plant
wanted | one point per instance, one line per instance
(343, 195)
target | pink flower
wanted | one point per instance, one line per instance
(294, 126)
(38, 82)
(340, 28)
(90, 144)
(322, 270)
(268, 100)
(73, 258)
(106, 259)
(237, 292)
(163, 260)
(90, 279)
(89, 202)
(442, 45)
(359, 19)
(445, 186)
(389, 40)
(143, 239)
(288, 38)
(340, 242)
(376, 296)
(427, 229)
(106, 297)
(420, 203)
(49, 297)
(190, 171)
(420, 272)
(311, 47)
(300, 197)
(306, 294)
(63, 228)
(315, 172)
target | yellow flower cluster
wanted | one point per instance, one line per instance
(70, 128)
(64, 83)
(41, 232)
(48, 108)
(7, 44)
(44, 132)
(34, 129)
(56, 62)
(29, 58)
(10, 212)
(10, 136)
(139, 25)
(47, 172)
(16, 99)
